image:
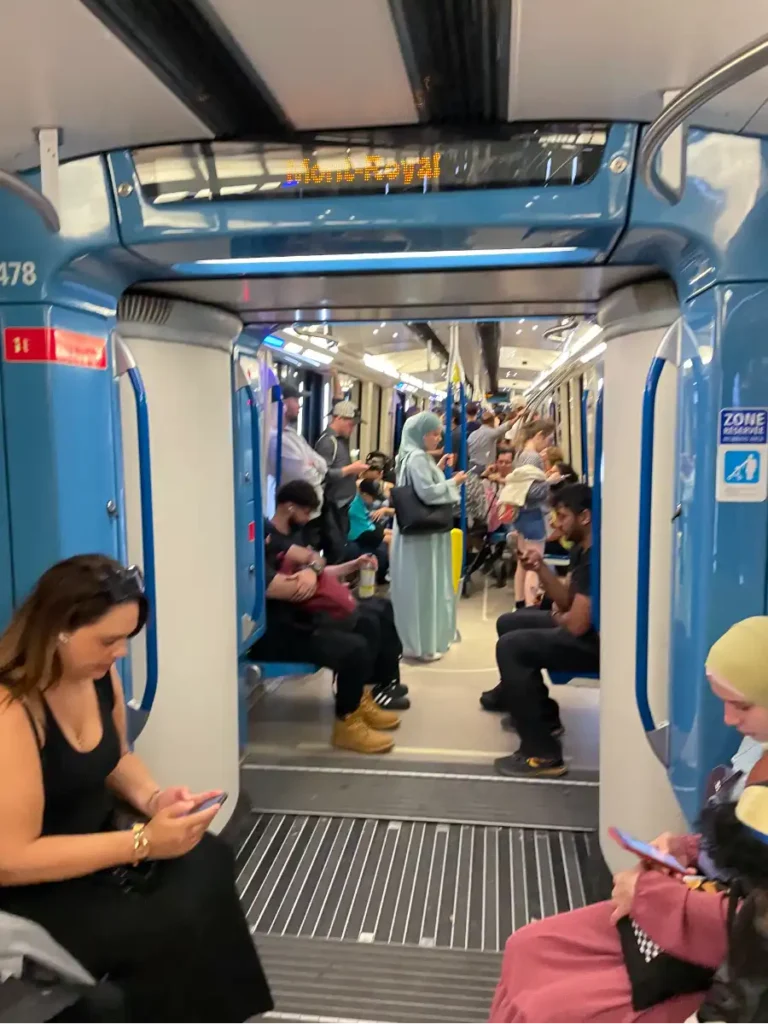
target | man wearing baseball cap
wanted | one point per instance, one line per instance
(341, 479)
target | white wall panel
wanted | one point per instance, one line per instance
(191, 737)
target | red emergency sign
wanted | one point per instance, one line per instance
(251, 532)
(54, 345)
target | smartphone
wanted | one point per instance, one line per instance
(645, 851)
(210, 802)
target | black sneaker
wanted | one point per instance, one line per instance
(519, 766)
(390, 699)
(490, 700)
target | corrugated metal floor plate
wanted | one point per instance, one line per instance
(413, 794)
(423, 884)
(332, 981)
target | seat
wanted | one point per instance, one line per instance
(561, 678)
(40, 979)
(276, 669)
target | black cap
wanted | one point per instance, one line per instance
(290, 391)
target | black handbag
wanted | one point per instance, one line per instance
(653, 974)
(416, 517)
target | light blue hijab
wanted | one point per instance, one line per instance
(414, 433)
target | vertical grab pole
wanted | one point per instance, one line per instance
(448, 443)
(584, 445)
(138, 711)
(597, 509)
(658, 736)
(258, 510)
(277, 394)
(463, 465)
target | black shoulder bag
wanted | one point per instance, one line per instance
(416, 517)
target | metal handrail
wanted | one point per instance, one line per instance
(138, 710)
(734, 69)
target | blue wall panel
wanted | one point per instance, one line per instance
(60, 450)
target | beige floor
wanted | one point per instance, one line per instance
(445, 722)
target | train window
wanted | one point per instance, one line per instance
(373, 162)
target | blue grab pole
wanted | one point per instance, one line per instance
(258, 511)
(277, 394)
(463, 465)
(644, 544)
(448, 442)
(147, 541)
(584, 445)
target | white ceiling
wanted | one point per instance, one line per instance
(612, 59)
(338, 63)
(329, 63)
(59, 67)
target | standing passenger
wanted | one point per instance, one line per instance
(420, 568)
(481, 446)
(298, 461)
(340, 482)
(530, 524)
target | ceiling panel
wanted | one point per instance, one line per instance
(59, 67)
(329, 64)
(612, 59)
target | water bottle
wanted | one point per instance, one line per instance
(367, 585)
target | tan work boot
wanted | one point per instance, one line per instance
(376, 717)
(354, 733)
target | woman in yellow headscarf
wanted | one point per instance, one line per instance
(572, 967)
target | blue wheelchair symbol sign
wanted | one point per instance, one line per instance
(741, 467)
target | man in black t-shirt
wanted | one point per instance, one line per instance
(363, 649)
(531, 639)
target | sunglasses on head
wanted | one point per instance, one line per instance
(123, 584)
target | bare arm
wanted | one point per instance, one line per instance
(26, 857)
(578, 618)
(284, 588)
(130, 778)
(345, 569)
(554, 587)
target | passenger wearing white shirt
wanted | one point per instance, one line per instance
(299, 459)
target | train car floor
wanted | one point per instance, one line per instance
(384, 888)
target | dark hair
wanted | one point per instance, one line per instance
(298, 492)
(577, 498)
(734, 848)
(472, 409)
(71, 594)
(567, 472)
(456, 417)
(369, 487)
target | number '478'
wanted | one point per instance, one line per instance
(14, 272)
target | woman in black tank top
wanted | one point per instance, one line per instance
(116, 869)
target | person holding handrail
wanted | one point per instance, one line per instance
(120, 871)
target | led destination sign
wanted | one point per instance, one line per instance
(372, 163)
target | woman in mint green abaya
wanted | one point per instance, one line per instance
(420, 566)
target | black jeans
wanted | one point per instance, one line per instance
(365, 652)
(529, 641)
(335, 527)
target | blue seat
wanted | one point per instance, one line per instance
(275, 669)
(561, 678)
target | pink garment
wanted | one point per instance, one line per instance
(570, 967)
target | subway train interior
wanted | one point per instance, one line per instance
(405, 204)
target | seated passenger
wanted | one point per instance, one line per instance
(739, 834)
(366, 535)
(571, 967)
(561, 639)
(363, 649)
(143, 894)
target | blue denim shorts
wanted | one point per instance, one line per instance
(530, 524)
